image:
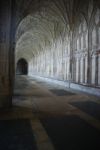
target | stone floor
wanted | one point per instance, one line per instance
(55, 118)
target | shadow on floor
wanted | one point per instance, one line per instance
(89, 107)
(71, 133)
(16, 135)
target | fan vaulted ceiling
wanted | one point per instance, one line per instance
(43, 24)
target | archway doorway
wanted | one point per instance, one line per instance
(22, 67)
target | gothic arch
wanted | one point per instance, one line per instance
(80, 50)
(95, 48)
(22, 67)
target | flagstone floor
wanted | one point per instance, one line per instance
(48, 111)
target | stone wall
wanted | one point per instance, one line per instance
(5, 25)
(62, 41)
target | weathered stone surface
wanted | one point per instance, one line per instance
(5, 26)
(59, 39)
(57, 42)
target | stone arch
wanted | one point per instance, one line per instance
(57, 38)
(45, 31)
(22, 67)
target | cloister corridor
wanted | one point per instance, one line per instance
(49, 74)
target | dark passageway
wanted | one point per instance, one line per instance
(22, 67)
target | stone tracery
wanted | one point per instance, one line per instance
(56, 44)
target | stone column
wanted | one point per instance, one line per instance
(71, 54)
(81, 70)
(77, 69)
(93, 69)
(96, 70)
(74, 70)
(99, 69)
(5, 51)
(65, 72)
(86, 69)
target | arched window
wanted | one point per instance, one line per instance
(95, 58)
(80, 53)
(94, 38)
